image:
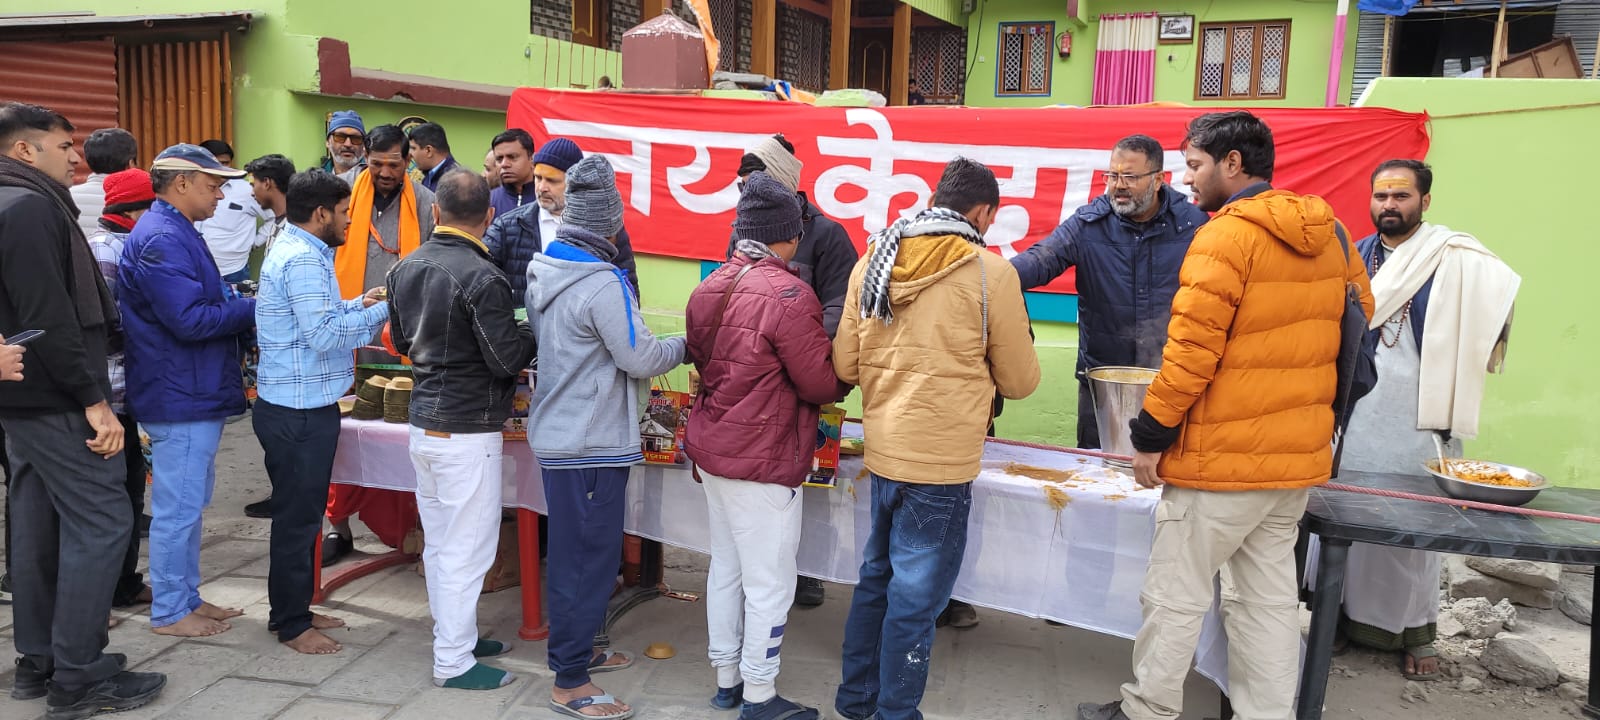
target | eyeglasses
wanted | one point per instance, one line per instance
(346, 139)
(1127, 179)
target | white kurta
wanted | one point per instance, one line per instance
(1386, 587)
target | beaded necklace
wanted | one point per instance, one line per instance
(1397, 322)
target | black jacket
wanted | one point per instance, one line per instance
(824, 260)
(513, 239)
(451, 311)
(66, 367)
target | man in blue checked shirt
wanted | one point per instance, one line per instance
(307, 337)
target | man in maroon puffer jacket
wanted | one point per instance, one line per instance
(755, 336)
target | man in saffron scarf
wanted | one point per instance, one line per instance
(390, 214)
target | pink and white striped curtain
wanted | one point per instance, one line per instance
(1125, 59)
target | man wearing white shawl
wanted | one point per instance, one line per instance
(1442, 318)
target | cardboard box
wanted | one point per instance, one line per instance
(516, 426)
(825, 460)
(665, 421)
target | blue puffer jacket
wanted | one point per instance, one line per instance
(513, 239)
(1127, 275)
(181, 327)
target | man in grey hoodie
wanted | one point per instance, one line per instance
(596, 359)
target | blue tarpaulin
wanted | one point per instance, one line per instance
(1387, 7)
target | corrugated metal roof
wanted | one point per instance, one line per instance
(76, 79)
(33, 24)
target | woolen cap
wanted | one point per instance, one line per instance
(593, 202)
(128, 186)
(768, 212)
(560, 153)
(346, 119)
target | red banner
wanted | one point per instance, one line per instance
(677, 158)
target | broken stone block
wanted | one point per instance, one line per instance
(1576, 599)
(1518, 660)
(1542, 576)
(1572, 691)
(1479, 619)
(1466, 582)
(1470, 684)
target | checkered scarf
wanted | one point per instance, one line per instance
(886, 245)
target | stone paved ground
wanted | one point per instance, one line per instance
(1009, 667)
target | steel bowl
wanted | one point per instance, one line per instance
(1497, 494)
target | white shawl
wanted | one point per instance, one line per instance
(1468, 321)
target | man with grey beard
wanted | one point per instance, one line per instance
(1127, 245)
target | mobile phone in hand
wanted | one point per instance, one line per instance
(24, 337)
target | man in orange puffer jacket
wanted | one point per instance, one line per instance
(1238, 424)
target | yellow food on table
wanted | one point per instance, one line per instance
(1483, 473)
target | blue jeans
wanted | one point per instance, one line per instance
(908, 568)
(183, 466)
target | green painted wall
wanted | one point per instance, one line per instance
(1499, 176)
(1072, 79)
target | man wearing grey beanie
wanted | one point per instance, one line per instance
(751, 438)
(596, 359)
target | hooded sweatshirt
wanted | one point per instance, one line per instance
(596, 357)
(928, 379)
(1249, 369)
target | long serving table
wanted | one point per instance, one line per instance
(1072, 547)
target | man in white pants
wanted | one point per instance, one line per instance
(452, 309)
(751, 437)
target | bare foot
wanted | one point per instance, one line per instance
(217, 613)
(193, 625)
(312, 642)
(113, 621)
(1420, 666)
(325, 622)
(565, 696)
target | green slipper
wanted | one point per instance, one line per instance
(480, 677)
(487, 648)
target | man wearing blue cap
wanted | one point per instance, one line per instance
(347, 142)
(182, 326)
(519, 234)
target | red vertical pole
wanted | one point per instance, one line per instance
(533, 625)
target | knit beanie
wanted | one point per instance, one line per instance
(129, 186)
(768, 212)
(346, 119)
(781, 164)
(560, 154)
(593, 202)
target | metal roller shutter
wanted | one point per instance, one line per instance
(76, 79)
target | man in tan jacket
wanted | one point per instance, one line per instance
(933, 326)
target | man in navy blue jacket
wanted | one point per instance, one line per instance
(1127, 245)
(182, 326)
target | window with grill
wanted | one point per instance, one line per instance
(1024, 67)
(1242, 61)
(938, 64)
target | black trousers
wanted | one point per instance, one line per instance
(1088, 427)
(299, 447)
(72, 520)
(131, 583)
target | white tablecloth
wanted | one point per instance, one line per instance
(1082, 564)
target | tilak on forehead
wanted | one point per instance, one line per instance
(1389, 184)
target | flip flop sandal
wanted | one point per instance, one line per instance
(778, 708)
(575, 708)
(1417, 655)
(598, 663)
